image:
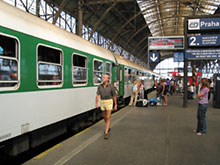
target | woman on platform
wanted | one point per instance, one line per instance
(203, 92)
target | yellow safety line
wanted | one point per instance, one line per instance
(45, 152)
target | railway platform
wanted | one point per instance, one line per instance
(153, 135)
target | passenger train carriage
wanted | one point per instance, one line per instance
(49, 78)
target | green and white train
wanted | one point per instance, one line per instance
(49, 78)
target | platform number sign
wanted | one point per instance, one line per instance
(192, 41)
(204, 40)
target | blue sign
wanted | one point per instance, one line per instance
(178, 56)
(180, 70)
(204, 40)
(202, 53)
(153, 56)
(204, 23)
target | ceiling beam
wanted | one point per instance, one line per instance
(123, 17)
(122, 27)
(142, 51)
(106, 2)
(100, 20)
(128, 41)
(61, 7)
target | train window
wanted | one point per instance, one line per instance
(79, 70)
(97, 72)
(9, 63)
(108, 69)
(129, 71)
(137, 73)
(49, 67)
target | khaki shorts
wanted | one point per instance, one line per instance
(106, 104)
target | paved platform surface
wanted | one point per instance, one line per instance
(142, 136)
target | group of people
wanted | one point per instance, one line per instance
(107, 92)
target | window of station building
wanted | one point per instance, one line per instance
(9, 63)
(97, 71)
(108, 70)
(80, 70)
(49, 66)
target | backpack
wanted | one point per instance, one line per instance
(153, 101)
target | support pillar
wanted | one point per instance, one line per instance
(38, 8)
(79, 19)
(185, 97)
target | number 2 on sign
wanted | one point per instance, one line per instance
(192, 41)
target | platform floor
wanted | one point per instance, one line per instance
(143, 136)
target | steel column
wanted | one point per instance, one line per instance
(79, 19)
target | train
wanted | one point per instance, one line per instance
(49, 79)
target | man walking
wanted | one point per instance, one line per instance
(107, 93)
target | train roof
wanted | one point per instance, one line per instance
(124, 61)
(21, 21)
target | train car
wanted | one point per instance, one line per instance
(49, 78)
(129, 72)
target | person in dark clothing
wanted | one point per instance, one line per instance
(164, 92)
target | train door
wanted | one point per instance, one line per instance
(121, 79)
(117, 71)
(115, 76)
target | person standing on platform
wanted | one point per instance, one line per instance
(135, 90)
(107, 93)
(142, 89)
(164, 92)
(202, 107)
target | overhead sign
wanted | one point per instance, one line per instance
(204, 23)
(204, 40)
(153, 56)
(202, 53)
(178, 56)
(166, 43)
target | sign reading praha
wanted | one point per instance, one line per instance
(166, 43)
(204, 23)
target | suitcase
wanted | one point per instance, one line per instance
(142, 103)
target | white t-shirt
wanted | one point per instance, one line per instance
(135, 87)
(211, 85)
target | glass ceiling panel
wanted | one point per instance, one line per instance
(165, 17)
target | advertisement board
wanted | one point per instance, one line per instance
(178, 56)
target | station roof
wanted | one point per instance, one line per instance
(129, 23)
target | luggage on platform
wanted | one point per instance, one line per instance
(142, 103)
